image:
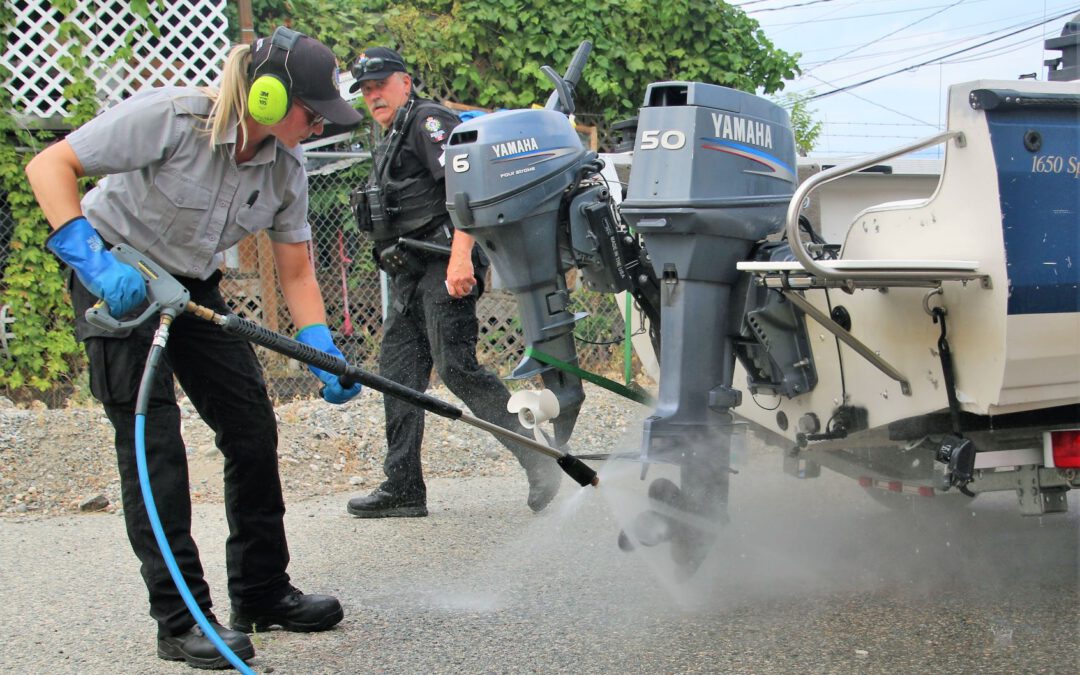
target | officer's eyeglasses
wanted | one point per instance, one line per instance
(314, 118)
(374, 64)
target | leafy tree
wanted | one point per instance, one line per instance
(803, 124)
(489, 52)
(267, 14)
(43, 355)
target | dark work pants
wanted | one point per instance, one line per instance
(223, 379)
(425, 327)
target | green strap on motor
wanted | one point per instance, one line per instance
(612, 386)
(627, 346)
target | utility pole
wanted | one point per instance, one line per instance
(247, 21)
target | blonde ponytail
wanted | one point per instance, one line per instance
(231, 99)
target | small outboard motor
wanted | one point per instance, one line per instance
(507, 177)
(713, 172)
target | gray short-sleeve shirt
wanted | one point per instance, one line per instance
(167, 193)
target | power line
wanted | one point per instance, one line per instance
(889, 34)
(861, 152)
(909, 137)
(1008, 49)
(931, 50)
(836, 9)
(873, 103)
(876, 124)
(910, 10)
(823, 19)
(899, 50)
(1024, 17)
(936, 59)
(812, 65)
(777, 9)
(752, 2)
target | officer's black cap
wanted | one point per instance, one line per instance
(376, 63)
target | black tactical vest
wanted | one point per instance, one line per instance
(414, 200)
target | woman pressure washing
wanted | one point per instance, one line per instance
(187, 174)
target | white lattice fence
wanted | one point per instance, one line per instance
(189, 51)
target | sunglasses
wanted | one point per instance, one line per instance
(314, 118)
(374, 64)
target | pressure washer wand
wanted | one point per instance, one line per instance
(253, 332)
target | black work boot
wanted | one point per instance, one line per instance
(293, 611)
(384, 504)
(543, 472)
(194, 648)
(545, 477)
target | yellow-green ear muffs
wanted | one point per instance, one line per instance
(268, 99)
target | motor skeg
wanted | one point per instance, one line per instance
(506, 177)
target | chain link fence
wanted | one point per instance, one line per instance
(7, 229)
(353, 290)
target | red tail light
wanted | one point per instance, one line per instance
(1065, 448)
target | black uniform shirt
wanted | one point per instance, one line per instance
(409, 170)
(423, 147)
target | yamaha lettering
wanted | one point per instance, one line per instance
(742, 130)
(511, 148)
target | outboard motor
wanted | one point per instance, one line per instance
(712, 175)
(507, 179)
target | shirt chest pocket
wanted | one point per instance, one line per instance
(179, 205)
(255, 217)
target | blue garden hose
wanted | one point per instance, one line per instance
(141, 406)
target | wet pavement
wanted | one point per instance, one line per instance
(808, 577)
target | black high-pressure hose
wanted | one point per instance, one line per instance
(252, 332)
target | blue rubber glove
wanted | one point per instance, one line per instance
(317, 335)
(78, 244)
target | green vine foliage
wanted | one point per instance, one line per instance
(43, 357)
(489, 52)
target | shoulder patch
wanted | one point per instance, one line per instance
(435, 129)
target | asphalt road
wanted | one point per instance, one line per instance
(809, 577)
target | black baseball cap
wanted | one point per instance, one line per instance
(376, 63)
(312, 71)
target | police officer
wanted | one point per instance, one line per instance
(431, 318)
(188, 173)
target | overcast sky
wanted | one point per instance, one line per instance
(844, 42)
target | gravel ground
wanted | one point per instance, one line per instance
(810, 576)
(55, 462)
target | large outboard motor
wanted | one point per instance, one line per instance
(507, 176)
(713, 172)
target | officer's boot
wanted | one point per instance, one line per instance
(543, 473)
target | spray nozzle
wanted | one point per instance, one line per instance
(578, 470)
